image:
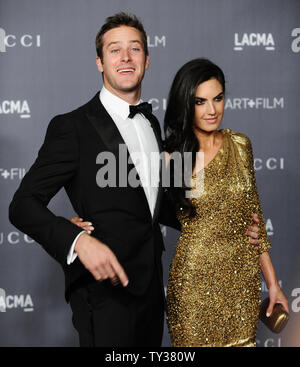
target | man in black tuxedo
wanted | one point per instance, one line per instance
(127, 243)
(113, 279)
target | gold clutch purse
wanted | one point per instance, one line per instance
(277, 320)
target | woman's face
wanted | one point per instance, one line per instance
(209, 106)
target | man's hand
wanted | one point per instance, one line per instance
(99, 260)
(253, 232)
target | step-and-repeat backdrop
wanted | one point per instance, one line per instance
(47, 67)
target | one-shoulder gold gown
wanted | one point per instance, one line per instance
(214, 283)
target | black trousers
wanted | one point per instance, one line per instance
(107, 316)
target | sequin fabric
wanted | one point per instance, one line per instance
(214, 283)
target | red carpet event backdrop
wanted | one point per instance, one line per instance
(47, 67)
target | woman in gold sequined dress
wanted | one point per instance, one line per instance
(214, 283)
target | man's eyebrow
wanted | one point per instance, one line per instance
(134, 41)
(118, 42)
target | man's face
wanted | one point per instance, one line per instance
(124, 61)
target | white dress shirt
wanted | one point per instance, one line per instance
(142, 145)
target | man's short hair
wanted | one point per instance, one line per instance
(116, 21)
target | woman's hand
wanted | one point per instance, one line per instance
(276, 296)
(253, 231)
(87, 226)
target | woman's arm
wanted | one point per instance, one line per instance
(275, 293)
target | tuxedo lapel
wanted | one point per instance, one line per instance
(104, 125)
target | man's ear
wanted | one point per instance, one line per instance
(99, 64)
(147, 62)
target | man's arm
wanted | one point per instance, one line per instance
(55, 166)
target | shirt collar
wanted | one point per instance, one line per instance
(114, 104)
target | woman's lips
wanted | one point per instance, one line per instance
(211, 120)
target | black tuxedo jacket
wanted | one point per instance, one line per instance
(120, 215)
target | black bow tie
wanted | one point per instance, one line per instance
(144, 108)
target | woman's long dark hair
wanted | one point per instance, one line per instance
(179, 119)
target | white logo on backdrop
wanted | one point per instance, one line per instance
(156, 41)
(2, 300)
(296, 42)
(19, 107)
(11, 40)
(14, 238)
(244, 103)
(9, 302)
(271, 163)
(158, 104)
(269, 227)
(270, 342)
(295, 305)
(12, 173)
(265, 40)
